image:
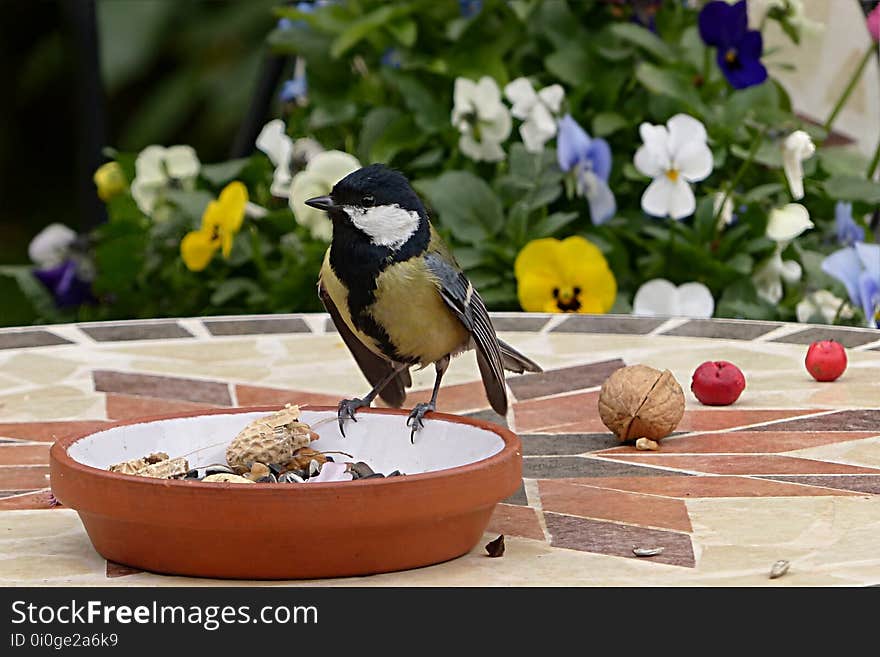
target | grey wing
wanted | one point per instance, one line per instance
(374, 367)
(461, 297)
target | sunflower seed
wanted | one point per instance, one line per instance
(496, 548)
(275, 469)
(396, 473)
(375, 475)
(361, 468)
(314, 468)
(268, 479)
(291, 478)
(218, 468)
(779, 569)
(329, 458)
(647, 552)
(193, 474)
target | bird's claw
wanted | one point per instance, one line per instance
(346, 410)
(416, 419)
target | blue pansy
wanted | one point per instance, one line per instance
(294, 89)
(739, 49)
(470, 8)
(63, 281)
(858, 268)
(848, 231)
(284, 24)
(590, 159)
(391, 58)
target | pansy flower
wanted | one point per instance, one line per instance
(221, 222)
(564, 276)
(796, 148)
(60, 266)
(824, 304)
(848, 231)
(726, 27)
(783, 225)
(157, 169)
(481, 118)
(590, 160)
(858, 268)
(110, 180)
(536, 110)
(66, 283)
(322, 172)
(659, 297)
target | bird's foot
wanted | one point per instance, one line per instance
(417, 416)
(346, 410)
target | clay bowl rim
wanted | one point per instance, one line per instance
(59, 452)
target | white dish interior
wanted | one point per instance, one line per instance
(381, 441)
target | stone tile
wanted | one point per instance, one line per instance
(516, 521)
(24, 478)
(135, 331)
(115, 570)
(746, 442)
(488, 416)
(616, 324)
(163, 387)
(618, 540)
(519, 497)
(50, 431)
(713, 420)
(125, 407)
(24, 455)
(619, 506)
(690, 486)
(24, 339)
(741, 464)
(558, 467)
(577, 413)
(713, 328)
(524, 323)
(40, 367)
(259, 396)
(566, 444)
(568, 379)
(452, 399)
(39, 499)
(853, 420)
(847, 337)
(858, 483)
(256, 326)
(9, 493)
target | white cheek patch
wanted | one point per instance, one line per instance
(386, 225)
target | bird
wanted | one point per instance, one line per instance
(399, 299)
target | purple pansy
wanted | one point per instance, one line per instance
(590, 159)
(848, 231)
(64, 283)
(391, 58)
(858, 268)
(739, 49)
(470, 8)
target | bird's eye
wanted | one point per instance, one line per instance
(369, 200)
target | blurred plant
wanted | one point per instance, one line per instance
(699, 129)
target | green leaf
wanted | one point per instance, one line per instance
(365, 25)
(704, 219)
(465, 204)
(233, 287)
(429, 112)
(843, 161)
(551, 224)
(644, 39)
(668, 83)
(35, 292)
(375, 123)
(606, 123)
(332, 113)
(427, 159)
(762, 192)
(570, 64)
(851, 188)
(769, 154)
(405, 32)
(222, 172)
(400, 135)
(192, 204)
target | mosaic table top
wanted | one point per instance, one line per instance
(790, 472)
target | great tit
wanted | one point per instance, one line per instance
(399, 299)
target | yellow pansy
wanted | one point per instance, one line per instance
(110, 180)
(569, 275)
(221, 221)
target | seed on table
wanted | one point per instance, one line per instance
(647, 552)
(779, 568)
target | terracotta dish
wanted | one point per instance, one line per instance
(456, 472)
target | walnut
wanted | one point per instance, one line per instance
(272, 438)
(641, 402)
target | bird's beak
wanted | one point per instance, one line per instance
(321, 203)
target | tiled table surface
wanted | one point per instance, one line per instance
(791, 471)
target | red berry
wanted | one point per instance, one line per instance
(718, 383)
(826, 360)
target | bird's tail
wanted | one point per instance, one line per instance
(513, 361)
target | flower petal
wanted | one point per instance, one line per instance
(552, 97)
(722, 24)
(522, 96)
(787, 222)
(846, 266)
(182, 162)
(572, 145)
(603, 205)
(869, 289)
(306, 184)
(585, 267)
(464, 93)
(148, 167)
(197, 248)
(695, 300)
(50, 246)
(484, 151)
(746, 73)
(663, 197)
(332, 166)
(487, 97)
(694, 161)
(275, 143)
(870, 257)
(497, 128)
(538, 129)
(656, 297)
(848, 231)
(653, 157)
(684, 129)
(599, 154)
(790, 271)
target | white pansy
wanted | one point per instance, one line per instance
(788, 222)
(322, 172)
(769, 276)
(51, 245)
(275, 143)
(795, 11)
(725, 218)
(156, 167)
(481, 118)
(536, 110)
(304, 149)
(661, 297)
(674, 155)
(796, 148)
(823, 303)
